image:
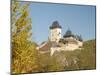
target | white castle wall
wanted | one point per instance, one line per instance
(68, 47)
(71, 43)
(55, 34)
(80, 43)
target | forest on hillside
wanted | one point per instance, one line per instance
(25, 57)
(84, 59)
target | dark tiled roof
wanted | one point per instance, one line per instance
(46, 47)
(68, 34)
(55, 24)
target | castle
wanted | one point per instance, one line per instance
(56, 42)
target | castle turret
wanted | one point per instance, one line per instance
(55, 32)
(68, 34)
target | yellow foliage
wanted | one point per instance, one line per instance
(23, 51)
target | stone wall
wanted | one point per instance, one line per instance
(66, 47)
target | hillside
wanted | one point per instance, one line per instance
(69, 60)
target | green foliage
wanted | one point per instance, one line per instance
(70, 60)
(88, 55)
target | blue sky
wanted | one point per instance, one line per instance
(80, 19)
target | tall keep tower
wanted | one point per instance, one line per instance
(55, 31)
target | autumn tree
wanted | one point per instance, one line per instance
(23, 48)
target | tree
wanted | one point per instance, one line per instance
(23, 49)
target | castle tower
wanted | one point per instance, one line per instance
(55, 31)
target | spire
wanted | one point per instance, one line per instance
(55, 24)
(68, 33)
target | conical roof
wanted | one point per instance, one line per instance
(68, 34)
(55, 24)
